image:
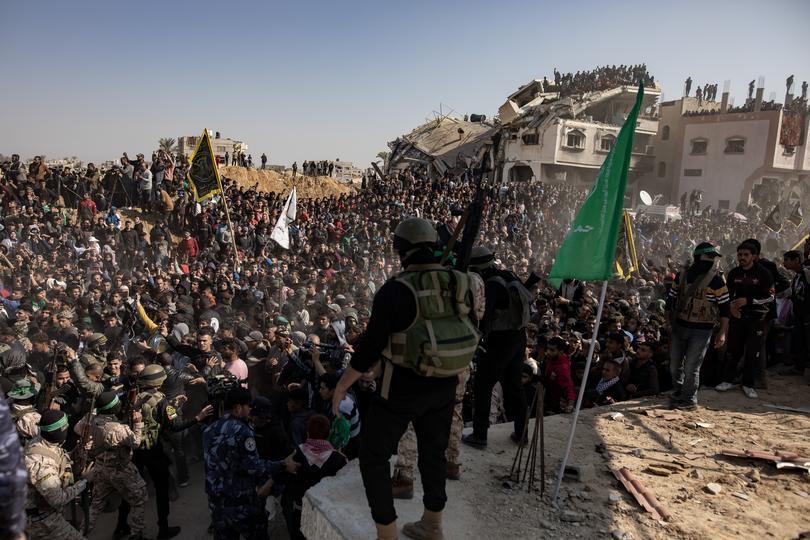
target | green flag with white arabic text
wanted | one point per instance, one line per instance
(588, 252)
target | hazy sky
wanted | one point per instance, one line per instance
(311, 80)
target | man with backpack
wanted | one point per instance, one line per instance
(500, 358)
(421, 336)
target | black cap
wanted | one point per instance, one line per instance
(261, 407)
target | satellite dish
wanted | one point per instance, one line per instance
(645, 197)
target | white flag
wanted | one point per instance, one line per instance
(281, 232)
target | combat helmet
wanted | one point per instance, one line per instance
(152, 376)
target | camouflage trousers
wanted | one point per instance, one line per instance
(406, 452)
(53, 526)
(125, 481)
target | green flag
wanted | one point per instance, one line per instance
(589, 249)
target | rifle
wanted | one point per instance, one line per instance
(82, 459)
(51, 378)
(131, 399)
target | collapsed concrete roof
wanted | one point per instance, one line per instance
(441, 144)
(542, 106)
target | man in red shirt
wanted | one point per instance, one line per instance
(188, 248)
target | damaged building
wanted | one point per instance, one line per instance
(565, 139)
(444, 144)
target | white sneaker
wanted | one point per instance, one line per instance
(750, 392)
(724, 386)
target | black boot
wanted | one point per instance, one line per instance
(168, 532)
(121, 531)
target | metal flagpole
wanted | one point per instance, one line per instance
(581, 392)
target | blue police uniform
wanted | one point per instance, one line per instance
(233, 470)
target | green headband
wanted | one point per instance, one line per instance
(59, 424)
(109, 405)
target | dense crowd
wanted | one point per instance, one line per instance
(117, 283)
(600, 78)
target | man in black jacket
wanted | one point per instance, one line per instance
(751, 291)
(800, 297)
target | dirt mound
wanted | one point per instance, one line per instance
(308, 186)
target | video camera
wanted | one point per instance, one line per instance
(218, 386)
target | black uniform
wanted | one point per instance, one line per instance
(501, 359)
(746, 334)
(427, 402)
(150, 456)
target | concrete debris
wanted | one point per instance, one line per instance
(616, 416)
(638, 452)
(615, 497)
(666, 414)
(572, 516)
(705, 425)
(782, 460)
(803, 494)
(714, 488)
(694, 473)
(657, 471)
(740, 495)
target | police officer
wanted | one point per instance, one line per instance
(234, 470)
(157, 414)
(22, 397)
(111, 453)
(12, 477)
(421, 329)
(504, 326)
(50, 480)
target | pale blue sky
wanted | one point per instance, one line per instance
(324, 80)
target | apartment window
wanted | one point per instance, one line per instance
(575, 139)
(221, 149)
(789, 150)
(606, 143)
(699, 146)
(665, 133)
(693, 172)
(531, 138)
(662, 169)
(723, 204)
(735, 145)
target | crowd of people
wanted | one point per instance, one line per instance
(187, 337)
(600, 78)
(316, 168)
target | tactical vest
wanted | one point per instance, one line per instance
(692, 305)
(105, 452)
(516, 315)
(441, 340)
(147, 403)
(40, 448)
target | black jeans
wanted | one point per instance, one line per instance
(156, 462)
(744, 342)
(430, 408)
(502, 362)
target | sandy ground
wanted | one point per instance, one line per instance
(775, 504)
(308, 186)
(486, 504)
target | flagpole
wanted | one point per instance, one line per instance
(574, 418)
(230, 226)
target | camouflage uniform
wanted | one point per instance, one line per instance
(113, 470)
(51, 488)
(26, 419)
(233, 470)
(406, 452)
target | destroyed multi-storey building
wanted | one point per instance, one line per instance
(565, 139)
(444, 144)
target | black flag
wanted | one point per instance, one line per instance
(203, 174)
(796, 217)
(774, 219)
